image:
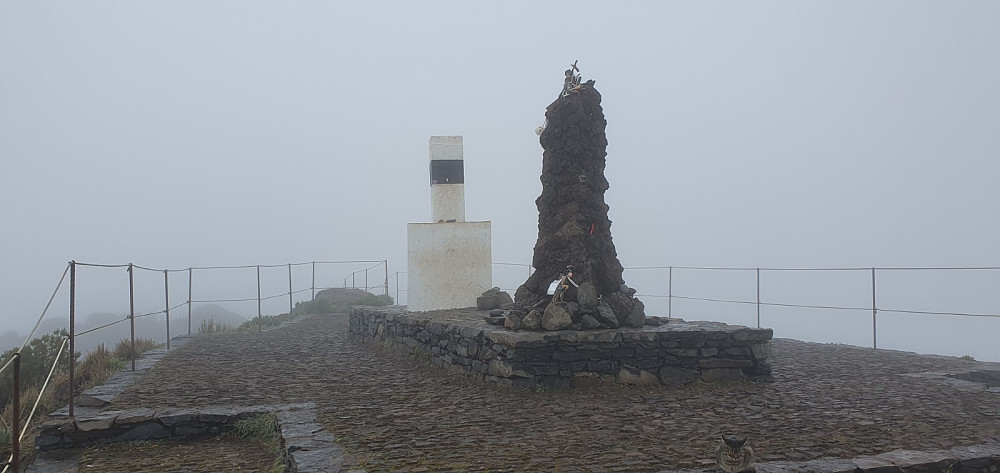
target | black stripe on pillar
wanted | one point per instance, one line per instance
(447, 171)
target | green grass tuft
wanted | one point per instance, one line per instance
(263, 428)
(210, 326)
(123, 349)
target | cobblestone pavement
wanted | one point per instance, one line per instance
(394, 412)
(226, 454)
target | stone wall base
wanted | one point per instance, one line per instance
(674, 353)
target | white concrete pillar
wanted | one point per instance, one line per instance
(447, 171)
(449, 264)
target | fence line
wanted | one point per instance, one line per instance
(383, 280)
(874, 308)
(849, 268)
(16, 438)
(70, 269)
(39, 321)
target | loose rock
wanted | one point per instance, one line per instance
(556, 317)
(587, 295)
(606, 316)
(513, 322)
(532, 321)
(588, 322)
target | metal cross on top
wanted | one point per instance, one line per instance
(572, 80)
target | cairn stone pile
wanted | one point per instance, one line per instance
(574, 230)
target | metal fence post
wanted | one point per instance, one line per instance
(758, 297)
(289, 292)
(670, 291)
(874, 311)
(259, 316)
(354, 284)
(314, 280)
(386, 263)
(166, 303)
(72, 334)
(189, 300)
(397, 288)
(366, 279)
(131, 309)
(15, 430)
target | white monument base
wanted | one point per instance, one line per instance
(449, 265)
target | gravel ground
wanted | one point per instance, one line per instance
(394, 412)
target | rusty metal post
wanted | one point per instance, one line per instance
(131, 309)
(314, 280)
(386, 263)
(290, 306)
(874, 312)
(758, 297)
(72, 334)
(259, 317)
(354, 284)
(166, 303)
(15, 432)
(366, 279)
(189, 301)
(670, 291)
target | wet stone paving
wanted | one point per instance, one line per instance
(394, 412)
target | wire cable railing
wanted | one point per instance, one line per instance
(190, 300)
(874, 308)
(39, 321)
(18, 437)
(362, 279)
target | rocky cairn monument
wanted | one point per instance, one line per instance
(577, 283)
(546, 337)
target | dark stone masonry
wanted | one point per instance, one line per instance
(673, 353)
(574, 243)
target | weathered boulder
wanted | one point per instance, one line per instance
(532, 321)
(586, 296)
(622, 306)
(637, 317)
(488, 302)
(513, 322)
(494, 298)
(556, 317)
(506, 302)
(606, 316)
(588, 322)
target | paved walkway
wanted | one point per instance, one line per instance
(396, 413)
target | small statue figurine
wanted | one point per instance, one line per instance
(562, 284)
(734, 455)
(572, 81)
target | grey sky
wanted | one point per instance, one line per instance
(174, 134)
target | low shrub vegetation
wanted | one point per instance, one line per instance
(211, 326)
(315, 306)
(340, 300)
(36, 361)
(123, 349)
(262, 321)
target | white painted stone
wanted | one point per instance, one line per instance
(447, 200)
(446, 147)
(448, 264)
